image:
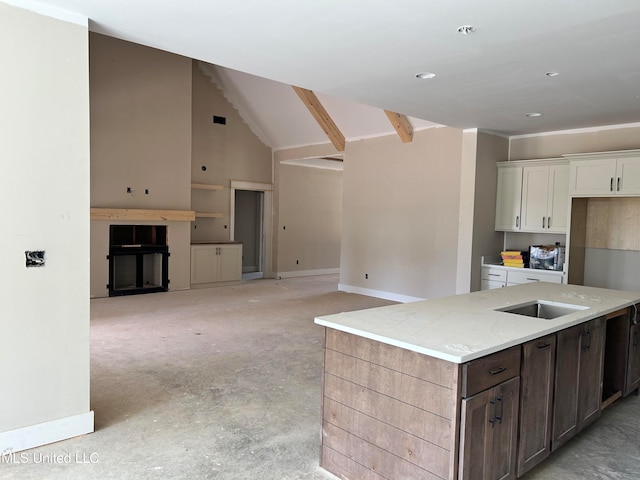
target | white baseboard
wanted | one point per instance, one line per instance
(396, 297)
(45, 433)
(308, 273)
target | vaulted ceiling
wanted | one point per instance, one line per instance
(362, 56)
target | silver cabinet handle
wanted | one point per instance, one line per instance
(548, 222)
(494, 274)
(543, 219)
(517, 221)
(533, 279)
(611, 185)
(618, 185)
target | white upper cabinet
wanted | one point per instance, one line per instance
(533, 196)
(605, 176)
(628, 176)
(508, 198)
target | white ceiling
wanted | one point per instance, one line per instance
(368, 51)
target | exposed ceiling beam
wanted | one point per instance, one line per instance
(401, 124)
(322, 117)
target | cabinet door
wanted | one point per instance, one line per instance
(536, 402)
(628, 176)
(565, 404)
(203, 261)
(477, 424)
(505, 433)
(558, 200)
(633, 368)
(489, 433)
(592, 341)
(508, 198)
(535, 191)
(229, 263)
(592, 177)
(491, 284)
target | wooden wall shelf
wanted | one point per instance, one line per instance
(206, 186)
(208, 215)
(142, 214)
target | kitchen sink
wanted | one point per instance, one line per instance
(542, 309)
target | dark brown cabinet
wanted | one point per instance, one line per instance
(488, 436)
(578, 383)
(633, 367)
(536, 402)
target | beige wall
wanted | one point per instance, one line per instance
(44, 125)
(296, 153)
(401, 213)
(310, 219)
(140, 138)
(486, 241)
(556, 144)
(140, 126)
(229, 152)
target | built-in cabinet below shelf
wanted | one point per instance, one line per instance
(499, 276)
(214, 264)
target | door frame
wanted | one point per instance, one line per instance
(265, 244)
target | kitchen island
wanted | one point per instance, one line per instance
(457, 387)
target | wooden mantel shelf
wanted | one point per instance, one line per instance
(142, 214)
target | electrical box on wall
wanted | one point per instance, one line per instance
(34, 258)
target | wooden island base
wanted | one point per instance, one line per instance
(391, 413)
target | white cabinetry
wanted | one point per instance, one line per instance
(508, 197)
(493, 277)
(532, 196)
(545, 198)
(616, 173)
(216, 263)
(498, 276)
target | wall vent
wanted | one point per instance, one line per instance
(220, 120)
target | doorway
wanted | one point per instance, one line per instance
(248, 228)
(250, 221)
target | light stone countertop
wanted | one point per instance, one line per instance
(464, 327)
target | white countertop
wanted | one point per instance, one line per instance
(461, 328)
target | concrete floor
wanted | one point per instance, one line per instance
(224, 383)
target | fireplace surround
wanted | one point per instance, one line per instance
(138, 259)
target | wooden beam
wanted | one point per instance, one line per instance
(141, 214)
(322, 117)
(401, 124)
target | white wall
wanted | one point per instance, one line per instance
(44, 188)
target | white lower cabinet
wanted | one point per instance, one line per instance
(216, 263)
(497, 276)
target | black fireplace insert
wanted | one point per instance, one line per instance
(138, 259)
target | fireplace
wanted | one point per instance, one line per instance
(138, 259)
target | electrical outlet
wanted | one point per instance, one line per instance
(297, 262)
(366, 276)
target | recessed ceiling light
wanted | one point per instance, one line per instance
(533, 114)
(425, 75)
(466, 29)
(552, 74)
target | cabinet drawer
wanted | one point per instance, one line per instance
(494, 274)
(486, 372)
(528, 276)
